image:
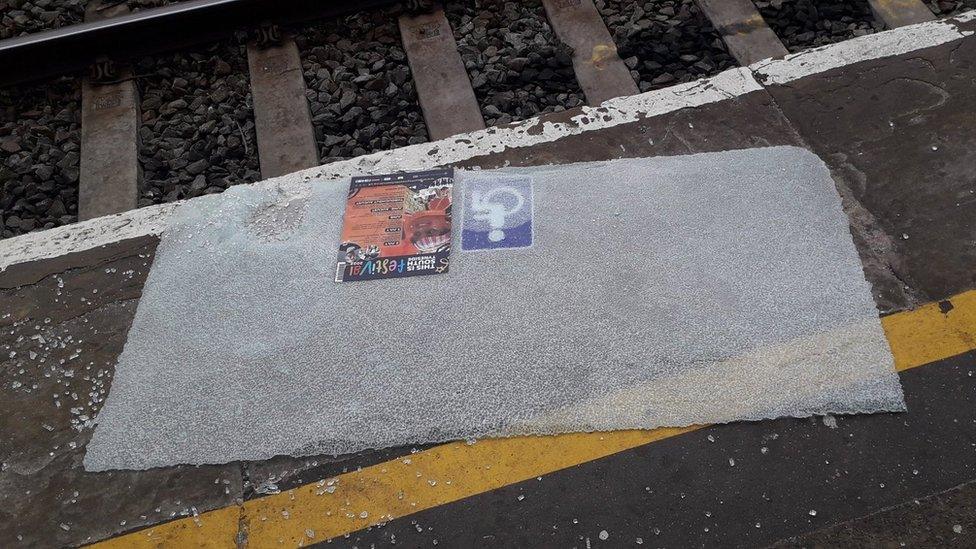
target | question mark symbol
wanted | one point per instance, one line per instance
(487, 209)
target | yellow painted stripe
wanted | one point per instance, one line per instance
(451, 472)
(215, 529)
(927, 334)
(423, 480)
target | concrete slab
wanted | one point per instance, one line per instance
(946, 519)
(286, 139)
(60, 335)
(443, 87)
(599, 70)
(743, 30)
(728, 365)
(109, 172)
(890, 130)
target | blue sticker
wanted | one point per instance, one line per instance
(497, 212)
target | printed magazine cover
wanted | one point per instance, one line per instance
(396, 225)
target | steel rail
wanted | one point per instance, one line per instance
(145, 32)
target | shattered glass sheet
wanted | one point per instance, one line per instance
(662, 291)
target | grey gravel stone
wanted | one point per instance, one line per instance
(44, 172)
(518, 67)
(199, 183)
(39, 142)
(360, 91)
(10, 146)
(197, 121)
(670, 41)
(197, 167)
(803, 24)
(19, 17)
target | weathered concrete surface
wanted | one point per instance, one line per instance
(443, 88)
(946, 519)
(287, 472)
(109, 171)
(743, 30)
(599, 70)
(286, 139)
(743, 121)
(60, 336)
(898, 136)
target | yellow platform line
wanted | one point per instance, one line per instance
(451, 472)
(926, 334)
(217, 529)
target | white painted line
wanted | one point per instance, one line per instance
(964, 17)
(85, 235)
(863, 48)
(622, 110)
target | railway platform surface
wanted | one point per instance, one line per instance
(894, 117)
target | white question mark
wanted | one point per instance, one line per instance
(494, 213)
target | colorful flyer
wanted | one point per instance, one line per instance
(396, 225)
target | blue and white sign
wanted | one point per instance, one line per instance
(497, 212)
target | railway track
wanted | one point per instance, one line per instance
(447, 75)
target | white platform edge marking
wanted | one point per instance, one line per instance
(85, 235)
(863, 48)
(151, 220)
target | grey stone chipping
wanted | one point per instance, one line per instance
(40, 146)
(359, 87)
(518, 66)
(197, 120)
(803, 24)
(664, 42)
